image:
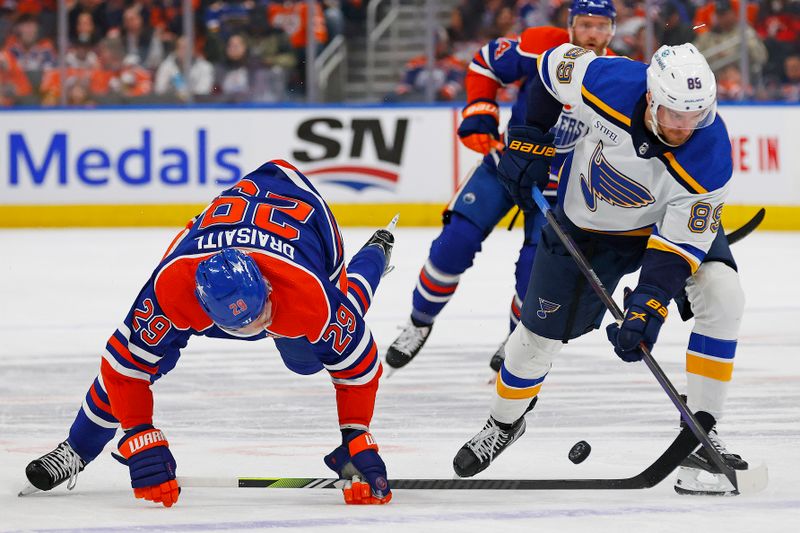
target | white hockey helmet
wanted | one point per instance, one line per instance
(680, 80)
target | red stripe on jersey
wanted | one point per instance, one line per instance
(430, 284)
(357, 290)
(98, 402)
(480, 86)
(515, 308)
(360, 367)
(126, 354)
(131, 399)
(479, 59)
(284, 164)
(355, 403)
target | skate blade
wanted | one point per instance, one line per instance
(390, 370)
(392, 223)
(28, 489)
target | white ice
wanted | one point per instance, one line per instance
(230, 408)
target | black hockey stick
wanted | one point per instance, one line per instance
(681, 447)
(616, 312)
(748, 227)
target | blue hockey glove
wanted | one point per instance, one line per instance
(645, 312)
(356, 460)
(478, 129)
(525, 163)
(145, 451)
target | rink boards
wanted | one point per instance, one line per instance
(159, 166)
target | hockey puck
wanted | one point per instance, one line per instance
(579, 452)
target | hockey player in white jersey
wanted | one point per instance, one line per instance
(644, 188)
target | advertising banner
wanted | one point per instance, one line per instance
(152, 166)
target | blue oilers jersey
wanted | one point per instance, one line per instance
(277, 217)
(618, 179)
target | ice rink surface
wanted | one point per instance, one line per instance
(230, 408)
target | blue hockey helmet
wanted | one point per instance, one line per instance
(598, 8)
(231, 289)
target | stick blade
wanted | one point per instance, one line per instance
(752, 480)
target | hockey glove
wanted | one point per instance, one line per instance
(355, 460)
(478, 129)
(145, 451)
(525, 163)
(645, 312)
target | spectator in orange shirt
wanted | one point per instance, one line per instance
(14, 83)
(705, 17)
(31, 52)
(81, 65)
(116, 78)
(291, 16)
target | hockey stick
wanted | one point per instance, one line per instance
(747, 228)
(756, 478)
(681, 447)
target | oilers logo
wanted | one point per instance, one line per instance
(609, 185)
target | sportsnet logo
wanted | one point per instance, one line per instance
(359, 155)
(355, 177)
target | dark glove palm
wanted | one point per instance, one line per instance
(645, 312)
(525, 163)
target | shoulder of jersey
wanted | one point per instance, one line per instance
(541, 38)
(703, 164)
(613, 86)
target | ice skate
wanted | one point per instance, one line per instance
(407, 345)
(698, 475)
(477, 454)
(54, 468)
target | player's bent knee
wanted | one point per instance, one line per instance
(455, 248)
(717, 300)
(529, 354)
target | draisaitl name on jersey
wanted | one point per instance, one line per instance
(244, 237)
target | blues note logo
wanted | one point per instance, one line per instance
(611, 186)
(546, 307)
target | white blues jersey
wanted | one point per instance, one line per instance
(619, 178)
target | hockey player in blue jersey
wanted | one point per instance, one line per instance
(481, 200)
(643, 189)
(264, 259)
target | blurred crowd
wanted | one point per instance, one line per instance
(134, 51)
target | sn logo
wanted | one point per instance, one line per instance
(330, 135)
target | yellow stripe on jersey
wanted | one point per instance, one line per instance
(605, 107)
(717, 370)
(690, 181)
(509, 393)
(664, 245)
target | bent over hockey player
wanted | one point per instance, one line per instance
(481, 200)
(264, 259)
(644, 188)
